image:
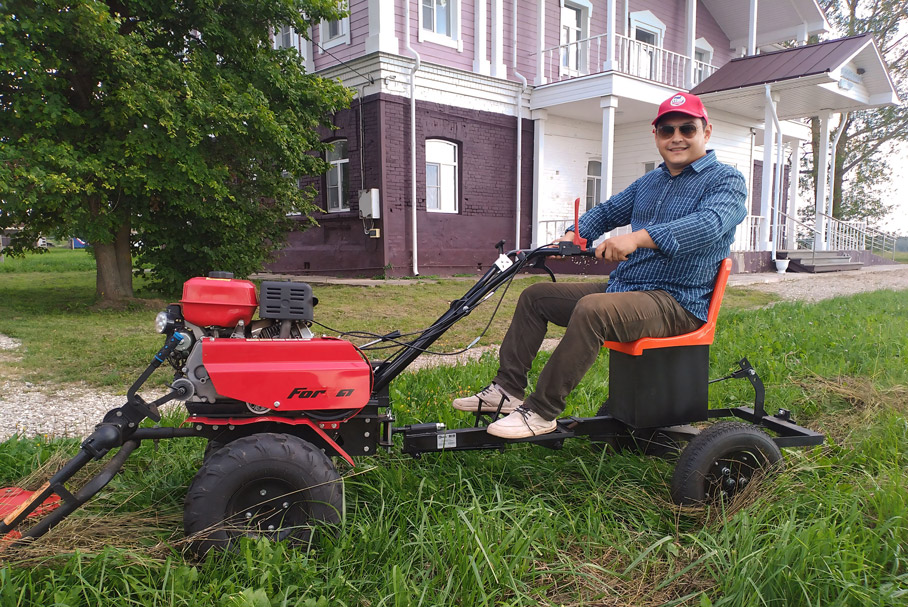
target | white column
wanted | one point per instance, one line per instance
(539, 192)
(540, 42)
(382, 27)
(691, 43)
(499, 70)
(609, 105)
(821, 165)
(611, 10)
(752, 29)
(766, 192)
(481, 63)
(790, 227)
(802, 34)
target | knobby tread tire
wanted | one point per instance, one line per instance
(237, 468)
(722, 439)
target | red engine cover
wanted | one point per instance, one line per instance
(218, 302)
(289, 374)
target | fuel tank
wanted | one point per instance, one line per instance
(218, 302)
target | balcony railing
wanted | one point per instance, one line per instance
(632, 57)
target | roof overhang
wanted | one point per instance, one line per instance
(856, 80)
(777, 20)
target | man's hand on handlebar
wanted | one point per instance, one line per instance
(619, 247)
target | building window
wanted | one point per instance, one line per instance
(593, 183)
(439, 22)
(334, 33)
(648, 32)
(703, 57)
(649, 166)
(575, 20)
(441, 176)
(286, 37)
(338, 178)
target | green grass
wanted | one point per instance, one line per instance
(528, 526)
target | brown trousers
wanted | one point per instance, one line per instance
(591, 316)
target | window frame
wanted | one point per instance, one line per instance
(597, 184)
(325, 41)
(440, 185)
(342, 166)
(426, 34)
(584, 11)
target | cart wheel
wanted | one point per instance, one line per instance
(265, 485)
(720, 461)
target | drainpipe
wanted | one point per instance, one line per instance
(413, 71)
(523, 88)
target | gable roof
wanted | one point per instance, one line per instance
(838, 75)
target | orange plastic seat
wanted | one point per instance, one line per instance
(701, 337)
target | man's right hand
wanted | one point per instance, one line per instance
(568, 237)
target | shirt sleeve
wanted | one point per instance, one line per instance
(720, 209)
(608, 215)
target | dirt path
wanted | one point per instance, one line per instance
(74, 409)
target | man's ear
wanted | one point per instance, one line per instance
(707, 131)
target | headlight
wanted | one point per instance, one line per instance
(163, 322)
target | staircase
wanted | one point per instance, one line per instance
(821, 261)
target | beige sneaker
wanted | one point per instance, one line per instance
(522, 423)
(487, 401)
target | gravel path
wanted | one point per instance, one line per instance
(74, 409)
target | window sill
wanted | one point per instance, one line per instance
(440, 39)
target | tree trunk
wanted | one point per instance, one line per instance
(110, 284)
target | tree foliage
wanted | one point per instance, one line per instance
(168, 131)
(861, 164)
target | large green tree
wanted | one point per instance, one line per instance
(167, 134)
(861, 161)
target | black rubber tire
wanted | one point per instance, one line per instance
(721, 460)
(226, 501)
(211, 448)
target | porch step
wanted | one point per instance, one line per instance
(821, 261)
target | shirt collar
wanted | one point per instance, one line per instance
(699, 164)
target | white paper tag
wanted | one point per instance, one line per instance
(503, 262)
(446, 440)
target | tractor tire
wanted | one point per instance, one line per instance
(266, 485)
(720, 461)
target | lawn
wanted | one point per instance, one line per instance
(579, 526)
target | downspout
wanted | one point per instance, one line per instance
(413, 71)
(519, 102)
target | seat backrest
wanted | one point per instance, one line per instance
(699, 337)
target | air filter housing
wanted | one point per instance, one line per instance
(286, 300)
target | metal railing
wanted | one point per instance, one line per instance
(550, 229)
(747, 234)
(589, 55)
(858, 236)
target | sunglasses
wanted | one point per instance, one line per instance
(667, 131)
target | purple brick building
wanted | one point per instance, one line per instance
(481, 120)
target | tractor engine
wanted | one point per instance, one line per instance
(231, 365)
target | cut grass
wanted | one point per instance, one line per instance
(528, 526)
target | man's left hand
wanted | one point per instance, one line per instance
(619, 247)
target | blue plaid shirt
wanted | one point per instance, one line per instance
(691, 217)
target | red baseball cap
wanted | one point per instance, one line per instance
(682, 103)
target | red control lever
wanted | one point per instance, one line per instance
(580, 242)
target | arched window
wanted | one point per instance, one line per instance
(593, 181)
(441, 176)
(337, 180)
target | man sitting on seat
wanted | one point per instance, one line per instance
(683, 216)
